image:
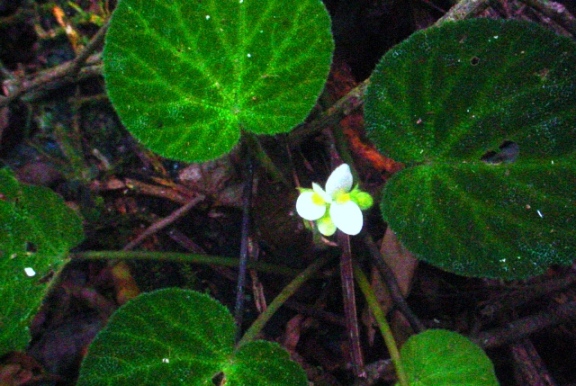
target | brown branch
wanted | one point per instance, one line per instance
(556, 12)
(464, 10)
(142, 188)
(525, 295)
(331, 116)
(350, 310)
(84, 65)
(523, 327)
(530, 368)
(164, 222)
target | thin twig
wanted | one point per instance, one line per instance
(350, 312)
(464, 10)
(392, 284)
(66, 71)
(530, 369)
(246, 206)
(525, 295)
(331, 116)
(556, 12)
(526, 326)
(141, 188)
(163, 223)
(92, 45)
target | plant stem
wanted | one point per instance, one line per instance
(256, 150)
(286, 293)
(372, 301)
(183, 258)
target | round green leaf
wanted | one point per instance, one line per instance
(441, 357)
(169, 337)
(483, 113)
(180, 337)
(186, 77)
(262, 363)
(37, 231)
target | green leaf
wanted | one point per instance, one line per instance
(263, 363)
(181, 337)
(483, 114)
(186, 77)
(441, 357)
(37, 231)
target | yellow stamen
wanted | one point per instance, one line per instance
(342, 197)
(317, 199)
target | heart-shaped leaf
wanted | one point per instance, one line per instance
(181, 337)
(36, 232)
(441, 357)
(186, 77)
(483, 113)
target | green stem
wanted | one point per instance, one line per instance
(259, 153)
(183, 257)
(364, 285)
(286, 293)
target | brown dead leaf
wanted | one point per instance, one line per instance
(403, 264)
(293, 333)
(126, 287)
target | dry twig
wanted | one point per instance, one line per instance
(84, 65)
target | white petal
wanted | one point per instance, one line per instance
(340, 179)
(347, 217)
(326, 226)
(307, 208)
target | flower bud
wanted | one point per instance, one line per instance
(363, 199)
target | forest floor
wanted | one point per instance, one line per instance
(61, 131)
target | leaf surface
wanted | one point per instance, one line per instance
(181, 337)
(37, 231)
(441, 357)
(186, 77)
(483, 114)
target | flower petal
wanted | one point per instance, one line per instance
(307, 208)
(326, 226)
(347, 217)
(340, 179)
(320, 192)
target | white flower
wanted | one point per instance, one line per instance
(339, 206)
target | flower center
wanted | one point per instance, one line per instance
(317, 199)
(342, 197)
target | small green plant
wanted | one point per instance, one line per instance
(482, 113)
(182, 338)
(37, 231)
